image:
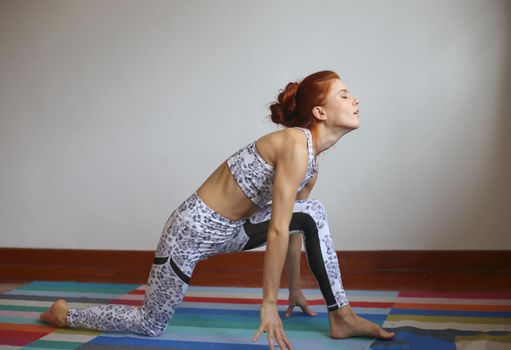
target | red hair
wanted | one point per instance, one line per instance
(295, 103)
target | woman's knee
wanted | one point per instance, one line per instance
(310, 211)
(309, 205)
(154, 332)
(150, 326)
(316, 205)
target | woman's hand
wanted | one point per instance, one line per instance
(271, 324)
(296, 298)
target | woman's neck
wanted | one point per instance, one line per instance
(327, 137)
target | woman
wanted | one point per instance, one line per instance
(257, 196)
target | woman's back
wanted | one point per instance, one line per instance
(222, 192)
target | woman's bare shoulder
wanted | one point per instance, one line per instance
(282, 141)
(281, 138)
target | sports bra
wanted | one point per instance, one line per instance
(255, 176)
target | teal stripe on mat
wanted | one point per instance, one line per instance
(22, 308)
(256, 307)
(45, 344)
(20, 320)
(78, 287)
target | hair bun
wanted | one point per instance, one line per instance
(295, 103)
(282, 111)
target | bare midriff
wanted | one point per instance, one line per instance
(222, 193)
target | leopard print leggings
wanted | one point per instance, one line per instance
(195, 232)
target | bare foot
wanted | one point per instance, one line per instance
(344, 323)
(56, 314)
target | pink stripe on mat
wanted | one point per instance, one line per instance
(466, 294)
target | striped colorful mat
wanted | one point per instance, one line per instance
(226, 318)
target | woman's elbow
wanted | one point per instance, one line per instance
(278, 232)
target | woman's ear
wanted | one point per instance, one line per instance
(319, 113)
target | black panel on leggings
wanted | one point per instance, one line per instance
(177, 270)
(258, 235)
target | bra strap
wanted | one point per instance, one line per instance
(309, 141)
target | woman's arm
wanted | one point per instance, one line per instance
(294, 252)
(290, 168)
(296, 297)
(295, 244)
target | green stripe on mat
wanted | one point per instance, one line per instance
(20, 320)
(23, 308)
(46, 344)
(305, 324)
(185, 332)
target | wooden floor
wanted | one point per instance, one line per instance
(366, 270)
(5, 287)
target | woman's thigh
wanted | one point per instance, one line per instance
(254, 232)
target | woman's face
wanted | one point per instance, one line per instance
(341, 108)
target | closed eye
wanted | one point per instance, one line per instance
(345, 95)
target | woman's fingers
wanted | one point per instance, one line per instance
(282, 339)
(270, 340)
(289, 310)
(279, 339)
(275, 334)
(288, 343)
(305, 308)
(257, 334)
(308, 310)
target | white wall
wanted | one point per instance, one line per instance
(113, 112)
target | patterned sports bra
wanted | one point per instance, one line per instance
(255, 175)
